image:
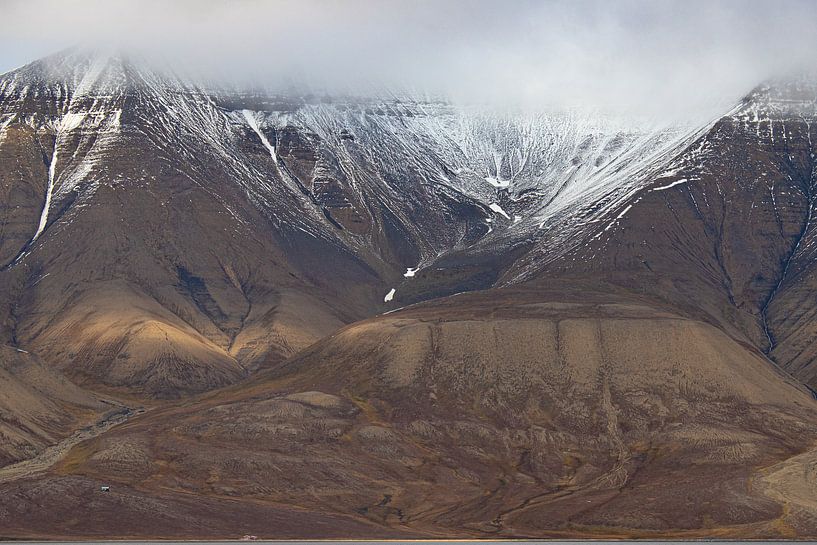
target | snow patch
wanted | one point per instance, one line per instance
(498, 209)
(496, 182)
(4, 125)
(71, 121)
(410, 272)
(389, 296)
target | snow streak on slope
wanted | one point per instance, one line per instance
(81, 117)
(250, 117)
(48, 192)
(673, 184)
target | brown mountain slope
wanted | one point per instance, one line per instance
(153, 306)
(132, 256)
(38, 406)
(151, 241)
(510, 413)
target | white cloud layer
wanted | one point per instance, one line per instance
(677, 58)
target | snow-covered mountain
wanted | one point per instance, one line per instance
(517, 170)
(460, 196)
(391, 183)
(643, 308)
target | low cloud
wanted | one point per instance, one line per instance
(683, 58)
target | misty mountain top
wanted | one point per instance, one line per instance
(688, 61)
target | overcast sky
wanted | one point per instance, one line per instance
(626, 54)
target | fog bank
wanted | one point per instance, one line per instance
(681, 58)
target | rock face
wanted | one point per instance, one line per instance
(634, 359)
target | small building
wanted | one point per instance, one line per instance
(105, 488)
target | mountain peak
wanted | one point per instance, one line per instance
(782, 97)
(80, 71)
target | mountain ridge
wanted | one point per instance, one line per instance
(409, 317)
